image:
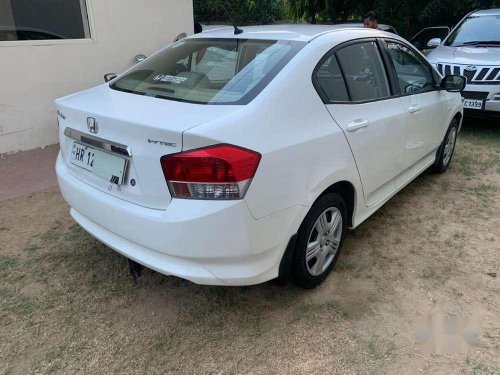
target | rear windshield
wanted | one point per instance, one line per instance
(476, 30)
(209, 71)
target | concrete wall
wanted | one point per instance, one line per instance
(34, 73)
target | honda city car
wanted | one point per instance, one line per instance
(234, 158)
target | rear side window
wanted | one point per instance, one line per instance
(331, 82)
(364, 71)
(210, 71)
(414, 75)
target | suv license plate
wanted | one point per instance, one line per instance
(473, 104)
(110, 167)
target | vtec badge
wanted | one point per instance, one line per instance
(162, 143)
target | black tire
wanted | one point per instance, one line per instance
(442, 160)
(301, 271)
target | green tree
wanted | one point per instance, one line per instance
(407, 16)
(263, 12)
(244, 12)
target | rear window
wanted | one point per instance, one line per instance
(209, 71)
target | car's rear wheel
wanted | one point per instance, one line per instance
(319, 241)
(447, 148)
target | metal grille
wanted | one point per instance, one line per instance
(474, 74)
(475, 95)
(482, 74)
(493, 74)
(469, 74)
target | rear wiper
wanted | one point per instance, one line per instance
(481, 43)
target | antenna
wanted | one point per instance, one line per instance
(237, 30)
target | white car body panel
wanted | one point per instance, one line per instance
(305, 150)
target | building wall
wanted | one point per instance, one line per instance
(34, 73)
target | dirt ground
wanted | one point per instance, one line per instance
(68, 303)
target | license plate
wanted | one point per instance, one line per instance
(473, 104)
(110, 167)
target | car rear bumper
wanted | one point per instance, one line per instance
(206, 242)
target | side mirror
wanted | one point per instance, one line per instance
(140, 58)
(109, 77)
(434, 42)
(453, 83)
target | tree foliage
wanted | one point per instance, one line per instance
(407, 16)
(244, 12)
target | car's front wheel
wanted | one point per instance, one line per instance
(319, 241)
(447, 148)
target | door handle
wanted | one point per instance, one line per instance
(414, 108)
(357, 124)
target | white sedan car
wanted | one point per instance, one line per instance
(235, 159)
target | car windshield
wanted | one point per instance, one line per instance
(209, 71)
(476, 30)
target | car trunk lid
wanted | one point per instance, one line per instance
(137, 128)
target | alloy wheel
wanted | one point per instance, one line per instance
(449, 146)
(324, 241)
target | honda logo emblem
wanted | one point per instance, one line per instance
(92, 125)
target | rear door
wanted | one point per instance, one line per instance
(423, 101)
(353, 83)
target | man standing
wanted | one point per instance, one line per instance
(370, 20)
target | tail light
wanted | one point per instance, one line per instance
(217, 172)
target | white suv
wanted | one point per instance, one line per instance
(236, 159)
(472, 49)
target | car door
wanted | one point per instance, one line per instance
(353, 83)
(424, 102)
(422, 38)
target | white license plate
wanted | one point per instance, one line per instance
(110, 167)
(473, 104)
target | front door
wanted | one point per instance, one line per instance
(422, 38)
(425, 105)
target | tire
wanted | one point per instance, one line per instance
(446, 150)
(322, 232)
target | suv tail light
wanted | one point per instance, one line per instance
(217, 172)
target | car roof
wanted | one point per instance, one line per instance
(297, 32)
(487, 12)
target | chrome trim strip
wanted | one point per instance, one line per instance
(101, 143)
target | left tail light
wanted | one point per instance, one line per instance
(220, 172)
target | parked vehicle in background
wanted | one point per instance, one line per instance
(422, 38)
(473, 50)
(236, 159)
